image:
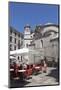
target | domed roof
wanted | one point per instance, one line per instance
(27, 25)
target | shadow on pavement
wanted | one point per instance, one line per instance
(55, 74)
(18, 83)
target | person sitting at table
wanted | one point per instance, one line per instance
(42, 64)
(27, 66)
(21, 74)
(20, 67)
(15, 70)
(31, 66)
(45, 67)
(24, 66)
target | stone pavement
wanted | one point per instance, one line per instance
(43, 78)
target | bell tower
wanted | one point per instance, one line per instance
(27, 35)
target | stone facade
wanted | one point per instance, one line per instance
(47, 42)
(44, 42)
(15, 41)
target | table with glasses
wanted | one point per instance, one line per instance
(37, 68)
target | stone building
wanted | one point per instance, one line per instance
(27, 36)
(42, 42)
(15, 41)
(46, 39)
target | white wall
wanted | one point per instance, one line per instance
(38, 43)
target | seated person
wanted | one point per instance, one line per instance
(20, 67)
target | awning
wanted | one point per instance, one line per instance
(19, 51)
(27, 51)
(11, 57)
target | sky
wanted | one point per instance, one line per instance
(21, 14)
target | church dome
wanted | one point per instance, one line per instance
(27, 26)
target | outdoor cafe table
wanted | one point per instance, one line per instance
(11, 73)
(21, 74)
(11, 69)
(37, 67)
(21, 71)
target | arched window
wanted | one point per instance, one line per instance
(42, 42)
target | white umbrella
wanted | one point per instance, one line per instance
(11, 57)
(19, 51)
